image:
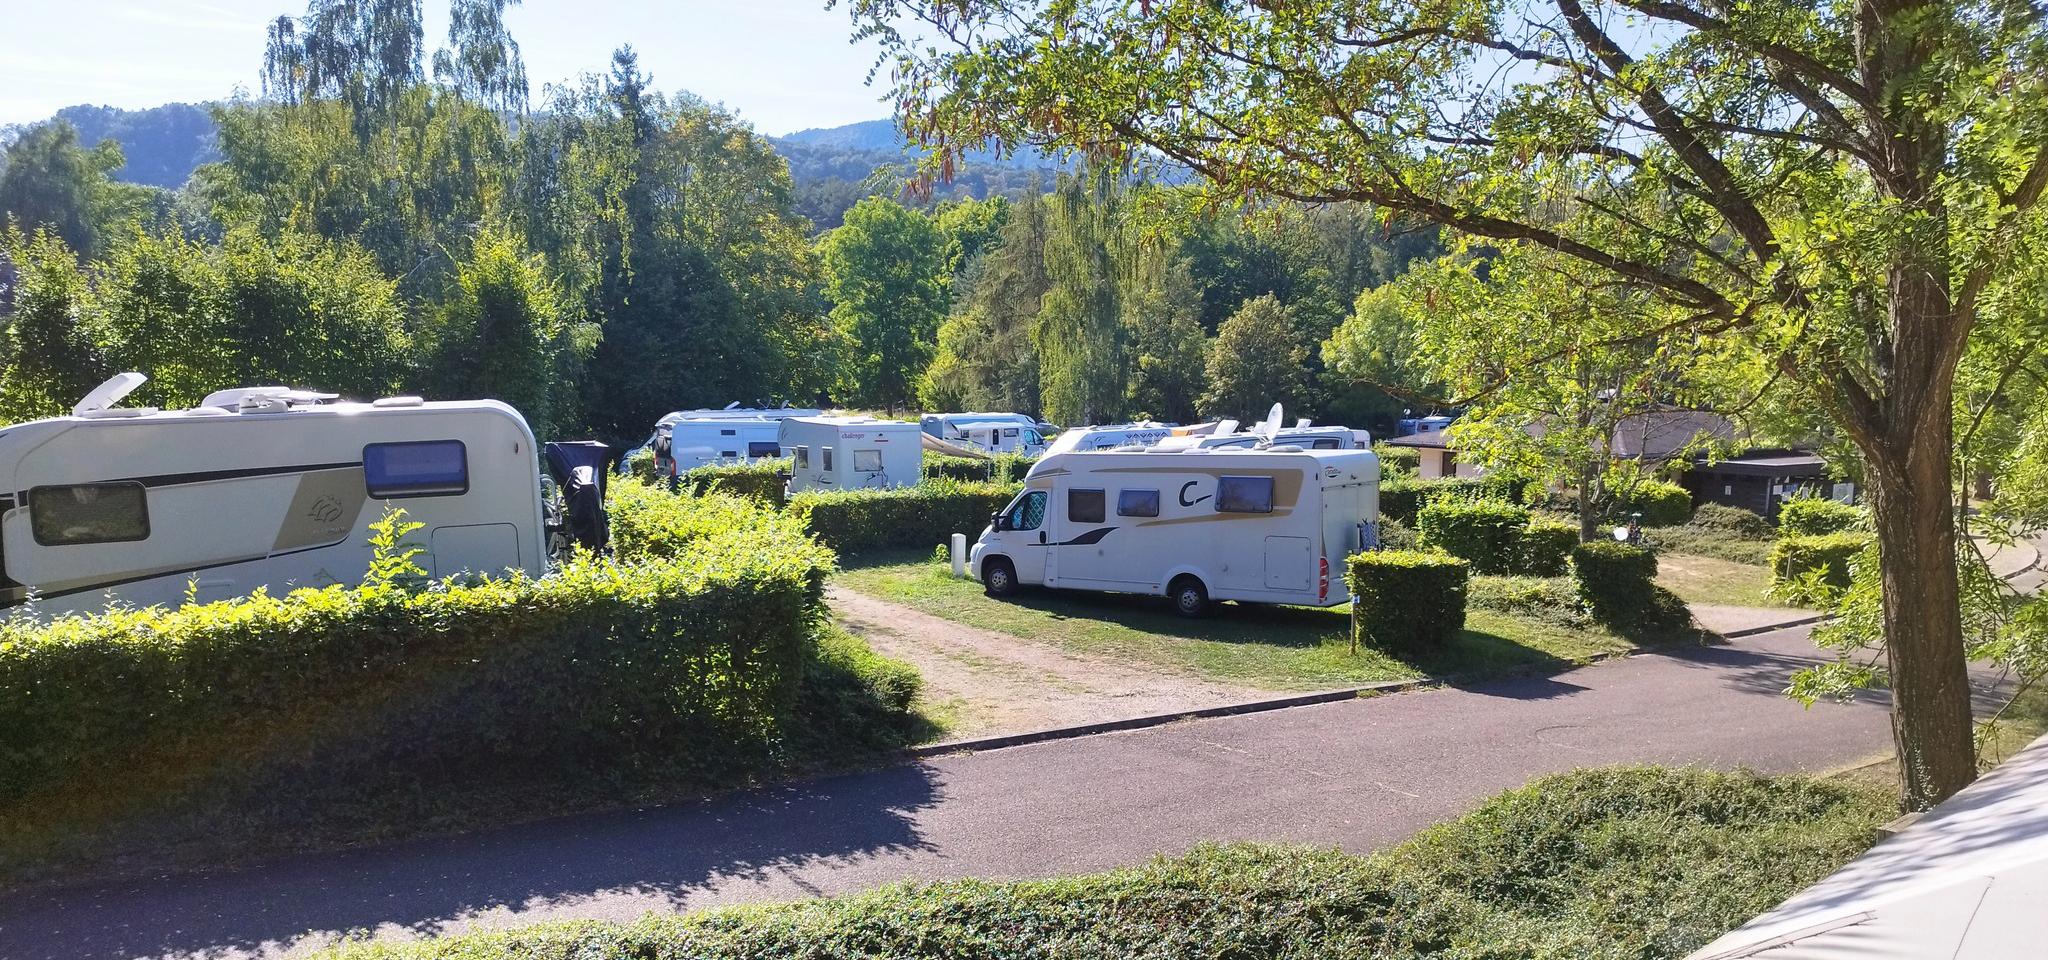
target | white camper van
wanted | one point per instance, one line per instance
(256, 487)
(1305, 437)
(1272, 525)
(1109, 437)
(687, 439)
(852, 453)
(987, 432)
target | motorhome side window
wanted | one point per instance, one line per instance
(825, 459)
(1137, 503)
(803, 457)
(417, 468)
(757, 449)
(1084, 506)
(1244, 495)
(867, 461)
(1029, 512)
(89, 513)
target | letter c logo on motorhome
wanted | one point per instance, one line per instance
(1184, 501)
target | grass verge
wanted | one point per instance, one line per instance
(1282, 648)
(1633, 862)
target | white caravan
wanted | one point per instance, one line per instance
(687, 439)
(256, 487)
(852, 453)
(1305, 437)
(1272, 525)
(987, 432)
(1109, 437)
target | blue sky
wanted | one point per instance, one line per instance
(783, 64)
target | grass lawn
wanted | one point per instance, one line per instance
(1698, 579)
(1276, 647)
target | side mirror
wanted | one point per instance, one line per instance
(999, 521)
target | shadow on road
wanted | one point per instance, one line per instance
(662, 855)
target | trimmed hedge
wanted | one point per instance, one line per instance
(1546, 548)
(1402, 498)
(1555, 599)
(1822, 561)
(156, 726)
(1397, 461)
(922, 516)
(1636, 862)
(1488, 533)
(763, 480)
(1661, 504)
(1734, 521)
(1407, 600)
(1617, 581)
(1818, 516)
(1000, 468)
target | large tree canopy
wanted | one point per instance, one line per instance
(1841, 187)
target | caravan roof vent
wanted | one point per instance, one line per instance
(238, 398)
(109, 393)
(398, 402)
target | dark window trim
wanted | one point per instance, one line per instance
(1102, 496)
(36, 491)
(1157, 502)
(372, 492)
(1272, 493)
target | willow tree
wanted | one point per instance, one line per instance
(1834, 185)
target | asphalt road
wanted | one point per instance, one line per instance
(1357, 775)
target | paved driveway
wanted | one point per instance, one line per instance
(1357, 775)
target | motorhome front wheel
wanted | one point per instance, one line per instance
(997, 577)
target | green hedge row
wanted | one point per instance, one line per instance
(1397, 461)
(1402, 498)
(1814, 569)
(1497, 537)
(332, 698)
(1817, 516)
(763, 480)
(1407, 600)
(1662, 504)
(1617, 581)
(1001, 468)
(922, 516)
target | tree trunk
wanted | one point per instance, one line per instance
(1589, 510)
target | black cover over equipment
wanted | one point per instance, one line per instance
(580, 468)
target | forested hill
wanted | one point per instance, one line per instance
(162, 145)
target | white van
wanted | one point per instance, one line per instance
(1142, 434)
(852, 453)
(1270, 526)
(987, 432)
(256, 487)
(688, 439)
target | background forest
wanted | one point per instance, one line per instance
(385, 218)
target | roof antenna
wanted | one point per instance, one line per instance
(109, 393)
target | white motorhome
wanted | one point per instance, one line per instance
(256, 487)
(987, 432)
(1199, 525)
(1306, 437)
(852, 453)
(687, 439)
(1143, 434)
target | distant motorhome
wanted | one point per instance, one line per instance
(1307, 438)
(1079, 439)
(688, 439)
(988, 432)
(1197, 525)
(1410, 426)
(256, 487)
(852, 453)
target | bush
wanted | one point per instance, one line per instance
(650, 522)
(1402, 498)
(1734, 521)
(1395, 535)
(381, 702)
(1818, 516)
(1546, 548)
(1555, 599)
(763, 480)
(1661, 504)
(1617, 581)
(1000, 468)
(1815, 569)
(1407, 600)
(1609, 863)
(1397, 461)
(856, 520)
(1486, 532)
(1720, 531)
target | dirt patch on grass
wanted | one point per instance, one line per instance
(985, 683)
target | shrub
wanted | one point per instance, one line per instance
(1397, 461)
(1817, 516)
(1000, 468)
(1555, 599)
(1616, 862)
(1402, 498)
(856, 520)
(1486, 532)
(640, 463)
(1617, 581)
(763, 480)
(1720, 531)
(1407, 600)
(1661, 504)
(1815, 569)
(1395, 535)
(1734, 521)
(377, 701)
(651, 522)
(1546, 548)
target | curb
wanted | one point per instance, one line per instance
(1775, 627)
(1161, 719)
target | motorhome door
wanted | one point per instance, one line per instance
(1026, 540)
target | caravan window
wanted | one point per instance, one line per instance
(1085, 506)
(825, 459)
(1244, 495)
(1009, 431)
(1137, 503)
(1324, 443)
(867, 461)
(418, 468)
(757, 449)
(803, 457)
(89, 513)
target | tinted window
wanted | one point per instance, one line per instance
(1244, 495)
(1009, 431)
(728, 433)
(423, 468)
(756, 448)
(1085, 506)
(729, 454)
(89, 513)
(1326, 443)
(1029, 512)
(803, 457)
(825, 459)
(867, 461)
(1137, 503)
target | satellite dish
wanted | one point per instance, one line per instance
(109, 393)
(1270, 427)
